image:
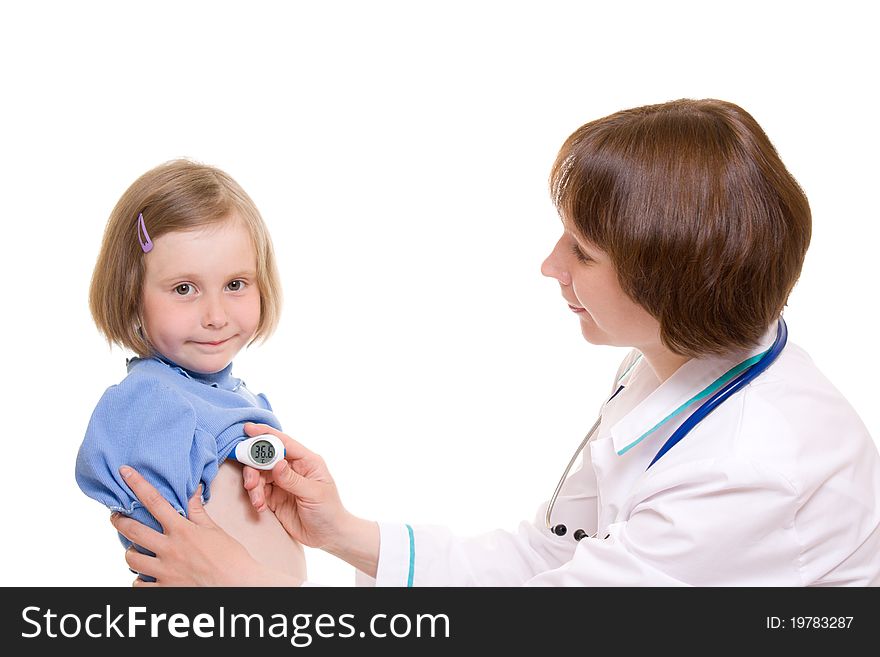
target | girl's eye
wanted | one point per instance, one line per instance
(236, 286)
(184, 289)
(580, 255)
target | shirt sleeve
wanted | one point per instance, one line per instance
(264, 402)
(434, 556)
(153, 429)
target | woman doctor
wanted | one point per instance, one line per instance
(683, 235)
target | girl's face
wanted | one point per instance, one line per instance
(201, 300)
(589, 284)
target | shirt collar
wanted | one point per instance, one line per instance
(222, 379)
(687, 381)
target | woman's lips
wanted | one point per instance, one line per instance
(577, 309)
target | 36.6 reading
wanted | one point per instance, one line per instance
(809, 622)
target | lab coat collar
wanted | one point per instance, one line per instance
(687, 381)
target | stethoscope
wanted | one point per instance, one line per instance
(729, 383)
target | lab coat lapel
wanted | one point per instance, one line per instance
(628, 433)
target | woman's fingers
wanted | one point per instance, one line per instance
(195, 511)
(288, 479)
(138, 533)
(140, 563)
(151, 499)
(255, 485)
(249, 477)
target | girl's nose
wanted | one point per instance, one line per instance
(555, 266)
(214, 313)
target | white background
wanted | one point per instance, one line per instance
(399, 153)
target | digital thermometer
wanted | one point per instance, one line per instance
(260, 452)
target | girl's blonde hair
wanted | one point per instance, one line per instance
(178, 195)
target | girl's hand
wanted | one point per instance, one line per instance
(191, 552)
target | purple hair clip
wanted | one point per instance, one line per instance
(146, 244)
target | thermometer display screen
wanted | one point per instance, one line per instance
(262, 452)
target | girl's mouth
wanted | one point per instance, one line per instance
(212, 344)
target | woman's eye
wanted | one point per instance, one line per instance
(580, 255)
(184, 289)
(236, 286)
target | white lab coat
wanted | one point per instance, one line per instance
(779, 486)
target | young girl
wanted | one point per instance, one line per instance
(185, 278)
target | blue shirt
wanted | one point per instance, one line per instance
(173, 426)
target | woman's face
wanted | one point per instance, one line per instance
(589, 285)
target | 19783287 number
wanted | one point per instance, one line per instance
(809, 622)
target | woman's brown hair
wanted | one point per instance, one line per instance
(704, 224)
(178, 195)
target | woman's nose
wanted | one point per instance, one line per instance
(554, 266)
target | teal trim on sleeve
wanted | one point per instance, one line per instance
(412, 557)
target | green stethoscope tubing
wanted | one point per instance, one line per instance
(744, 373)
